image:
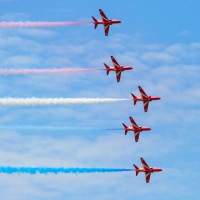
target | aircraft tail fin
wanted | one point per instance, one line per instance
(107, 69)
(136, 169)
(125, 128)
(134, 98)
(95, 22)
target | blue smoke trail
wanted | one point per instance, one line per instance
(42, 170)
(61, 128)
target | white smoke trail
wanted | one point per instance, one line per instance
(54, 101)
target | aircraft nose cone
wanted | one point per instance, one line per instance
(129, 67)
(147, 128)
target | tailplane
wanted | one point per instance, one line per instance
(134, 98)
(107, 69)
(95, 22)
(125, 128)
(136, 169)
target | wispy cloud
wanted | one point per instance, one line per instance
(170, 71)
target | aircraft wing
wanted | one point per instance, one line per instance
(118, 75)
(147, 175)
(146, 167)
(142, 92)
(106, 29)
(104, 18)
(137, 135)
(146, 105)
(115, 63)
(133, 122)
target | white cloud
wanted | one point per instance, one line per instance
(158, 57)
(17, 16)
(37, 33)
(171, 118)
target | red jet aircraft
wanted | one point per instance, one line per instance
(135, 128)
(105, 21)
(146, 169)
(117, 68)
(145, 98)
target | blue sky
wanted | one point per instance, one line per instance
(160, 39)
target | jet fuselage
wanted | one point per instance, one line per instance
(109, 22)
(140, 128)
(150, 98)
(150, 170)
(123, 68)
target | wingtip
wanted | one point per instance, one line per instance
(131, 119)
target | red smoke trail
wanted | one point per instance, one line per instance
(44, 71)
(39, 24)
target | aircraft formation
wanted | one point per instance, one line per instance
(118, 69)
(144, 97)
